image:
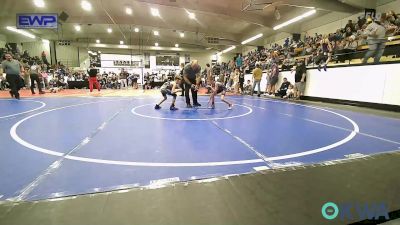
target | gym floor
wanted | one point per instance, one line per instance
(80, 144)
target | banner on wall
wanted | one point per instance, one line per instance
(37, 21)
(127, 63)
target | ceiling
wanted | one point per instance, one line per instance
(231, 21)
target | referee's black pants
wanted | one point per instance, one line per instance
(194, 93)
(14, 82)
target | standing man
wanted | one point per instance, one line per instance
(257, 75)
(300, 79)
(34, 75)
(375, 33)
(123, 76)
(191, 76)
(93, 78)
(13, 69)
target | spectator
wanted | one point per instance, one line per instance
(290, 92)
(34, 76)
(239, 61)
(300, 79)
(350, 26)
(247, 88)
(257, 75)
(284, 87)
(375, 33)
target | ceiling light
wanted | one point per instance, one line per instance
(121, 42)
(39, 3)
(182, 34)
(309, 13)
(99, 52)
(98, 41)
(45, 41)
(155, 12)
(229, 49)
(100, 45)
(156, 44)
(86, 5)
(176, 45)
(128, 10)
(252, 39)
(122, 46)
(27, 34)
(77, 28)
(156, 33)
(109, 30)
(192, 16)
(136, 29)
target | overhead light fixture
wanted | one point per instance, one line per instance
(99, 52)
(121, 42)
(98, 41)
(45, 41)
(155, 12)
(229, 49)
(191, 15)
(27, 34)
(122, 46)
(86, 5)
(77, 27)
(182, 35)
(128, 10)
(39, 3)
(100, 45)
(156, 44)
(156, 33)
(176, 45)
(136, 29)
(252, 39)
(309, 13)
(109, 30)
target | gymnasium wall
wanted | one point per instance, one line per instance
(373, 83)
(36, 48)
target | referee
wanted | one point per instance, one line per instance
(191, 76)
(13, 69)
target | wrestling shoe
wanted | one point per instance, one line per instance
(230, 106)
(173, 108)
(157, 107)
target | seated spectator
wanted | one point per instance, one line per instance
(284, 87)
(290, 92)
(247, 87)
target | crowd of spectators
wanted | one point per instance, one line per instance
(344, 40)
(316, 49)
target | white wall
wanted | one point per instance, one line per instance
(36, 48)
(372, 83)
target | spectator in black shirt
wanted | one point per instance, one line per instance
(284, 86)
(93, 78)
(300, 79)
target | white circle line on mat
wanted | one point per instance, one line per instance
(15, 136)
(28, 111)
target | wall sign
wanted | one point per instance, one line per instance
(37, 21)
